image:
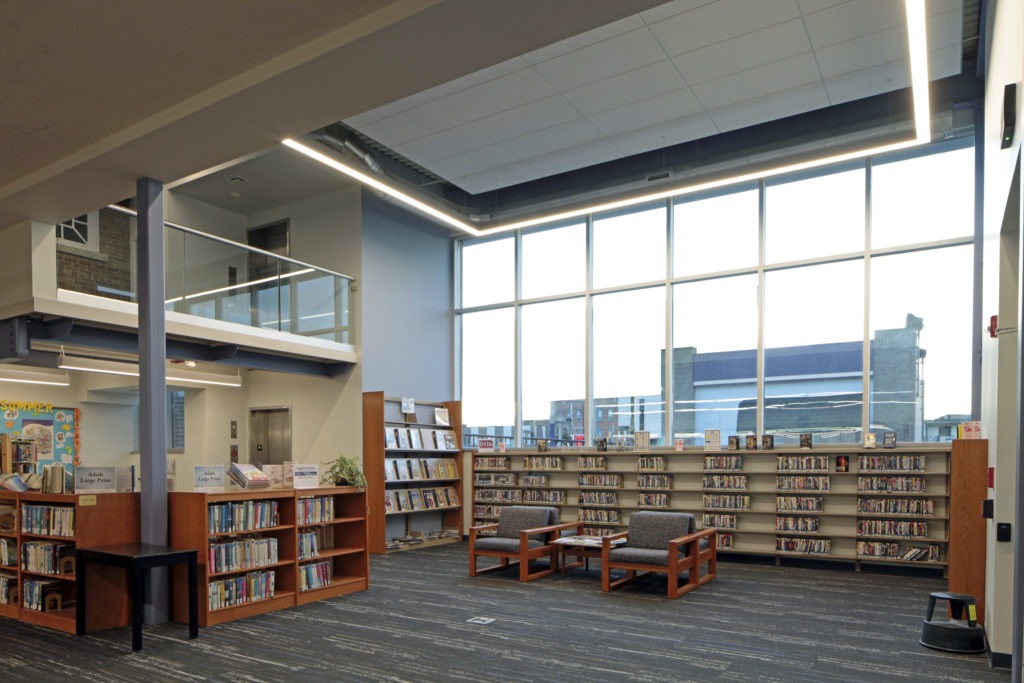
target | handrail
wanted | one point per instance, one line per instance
(232, 243)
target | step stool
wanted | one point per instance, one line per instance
(956, 634)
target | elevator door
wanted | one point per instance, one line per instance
(270, 435)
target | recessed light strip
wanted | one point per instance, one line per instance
(35, 376)
(918, 53)
(110, 367)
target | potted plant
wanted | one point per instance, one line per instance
(343, 471)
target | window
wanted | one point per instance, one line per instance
(717, 233)
(488, 374)
(488, 272)
(80, 232)
(814, 217)
(555, 261)
(630, 246)
(629, 353)
(554, 370)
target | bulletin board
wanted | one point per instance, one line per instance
(55, 430)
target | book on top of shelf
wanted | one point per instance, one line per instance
(403, 437)
(248, 476)
(751, 442)
(870, 440)
(642, 441)
(734, 443)
(712, 439)
(679, 444)
(441, 417)
(888, 439)
(767, 442)
(390, 440)
(970, 429)
(13, 482)
(806, 440)
(485, 444)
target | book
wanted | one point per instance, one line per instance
(429, 501)
(414, 439)
(889, 439)
(276, 475)
(970, 430)
(449, 441)
(390, 440)
(842, 463)
(248, 476)
(712, 439)
(870, 440)
(734, 443)
(415, 502)
(751, 442)
(805, 440)
(679, 444)
(485, 445)
(389, 471)
(542, 445)
(767, 442)
(416, 469)
(402, 498)
(641, 441)
(441, 417)
(390, 503)
(403, 437)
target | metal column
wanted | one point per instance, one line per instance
(152, 386)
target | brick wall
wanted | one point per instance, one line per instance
(110, 268)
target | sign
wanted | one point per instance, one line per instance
(408, 405)
(54, 430)
(95, 480)
(306, 476)
(209, 479)
(485, 445)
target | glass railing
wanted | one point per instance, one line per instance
(216, 278)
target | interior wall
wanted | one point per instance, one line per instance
(407, 325)
(1005, 64)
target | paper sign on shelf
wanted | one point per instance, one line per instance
(306, 476)
(408, 405)
(94, 480)
(209, 478)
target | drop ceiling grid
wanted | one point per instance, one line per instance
(685, 70)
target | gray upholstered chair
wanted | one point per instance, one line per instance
(522, 533)
(663, 542)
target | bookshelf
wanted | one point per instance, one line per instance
(413, 473)
(37, 556)
(849, 504)
(18, 456)
(249, 548)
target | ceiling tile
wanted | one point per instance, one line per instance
(526, 119)
(770, 107)
(942, 6)
(474, 161)
(558, 137)
(588, 154)
(945, 61)
(664, 134)
(783, 75)
(670, 9)
(477, 77)
(667, 107)
(412, 124)
(444, 144)
(715, 22)
(506, 92)
(564, 47)
(639, 84)
(853, 19)
(864, 52)
(738, 54)
(610, 57)
(808, 6)
(945, 29)
(868, 82)
(390, 109)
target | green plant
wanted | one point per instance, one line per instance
(343, 470)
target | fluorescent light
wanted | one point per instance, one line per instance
(35, 376)
(110, 367)
(918, 53)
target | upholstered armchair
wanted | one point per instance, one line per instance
(522, 533)
(662, 542)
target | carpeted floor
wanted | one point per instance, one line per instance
(756, 622)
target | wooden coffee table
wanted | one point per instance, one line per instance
(583, 548)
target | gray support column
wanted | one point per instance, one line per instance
(1017, 664)
(152, 386)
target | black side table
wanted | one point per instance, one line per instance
(137, 559)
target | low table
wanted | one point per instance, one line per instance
(137, 559)
(583, 548)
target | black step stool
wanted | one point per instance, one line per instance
(956, 634)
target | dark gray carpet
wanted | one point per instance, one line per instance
(757, 622)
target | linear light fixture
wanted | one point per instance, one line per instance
(35, 376)
(111, 367)
(918, 53)
(250, 283)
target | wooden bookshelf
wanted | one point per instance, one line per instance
(967, 528)
(424, 473)
(782, 502)
(91, 520)
(270, 520)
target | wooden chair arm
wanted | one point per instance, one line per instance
(674, 544)
(474, 530)
(549, 529)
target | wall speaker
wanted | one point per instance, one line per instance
(1009, 114)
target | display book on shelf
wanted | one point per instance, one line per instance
(412, 463)
(261, 551)
(38, 535)
(889, 506)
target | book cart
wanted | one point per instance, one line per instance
(413, 469)
(850, 504)
(265, 550)
(38, 536)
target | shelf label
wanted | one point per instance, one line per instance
(95, 480)
(209, 479)
(408, 405)
(86, 501)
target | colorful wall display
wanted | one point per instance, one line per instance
(55, 430)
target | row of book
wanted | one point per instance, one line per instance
(408, 500)
(804, 524)
(414, 438)
(536, 480)
(591, 462)
(242, 589)
(44, 557)
(544, 496)
(600, 480)
(714, 463)
(896, 484)
(810, 546)
(315, 510)
(598, 498)
(654, 481)
(242, 554)
(8, 552)
(310, 542)
(652, 500)
(799, 504)
(891, 527)
(542, 462)
(8, 588)
(723, 501)
(496, 478)
(593, 515)
(411, 469)
(499, 496)
(41, 595)
(919, 507)
(246, 515)
(315, 575)
(894, 550)
(650, 463)
(491, 462)
(904, 463)
(48, 520)
(725, 481)
(811, 482)
(816, 463)
(719, 521)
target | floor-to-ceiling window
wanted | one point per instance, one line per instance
(776, 307)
